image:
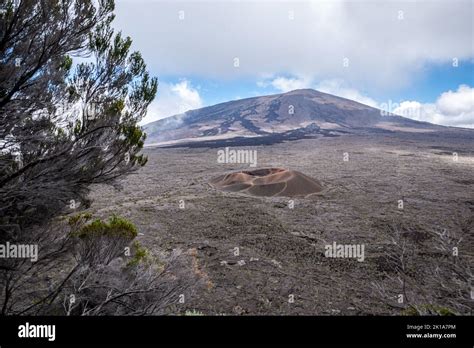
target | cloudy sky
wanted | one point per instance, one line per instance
(415, 58)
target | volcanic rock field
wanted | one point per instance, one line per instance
(249, 254)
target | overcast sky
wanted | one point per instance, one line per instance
(405, 54)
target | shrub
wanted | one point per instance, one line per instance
(100, 242)
(140, 255)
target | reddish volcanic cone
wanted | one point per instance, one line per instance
(268, 182)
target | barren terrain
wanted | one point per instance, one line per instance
(281, 250)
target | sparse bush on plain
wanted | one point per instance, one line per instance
(441, 287)
(84, 269)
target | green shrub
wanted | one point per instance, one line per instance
(140, 254)
(100, 242)
(79, 218)
(116, 227)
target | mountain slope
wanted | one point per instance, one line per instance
(287, 116)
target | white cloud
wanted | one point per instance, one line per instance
(332, 86)
(460, 102)
(188, 96)
(337, 87)
(450, 109)
(173, 99)
(409, 108)
(383, 51)
(285, 84)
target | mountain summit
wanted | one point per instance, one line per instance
(293, 115)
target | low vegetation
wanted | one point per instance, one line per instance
(88, 268)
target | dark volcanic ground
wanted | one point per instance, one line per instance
(281, 250)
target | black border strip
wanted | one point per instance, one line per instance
(340, 330)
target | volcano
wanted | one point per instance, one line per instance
(299, 114)
(268, 182)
